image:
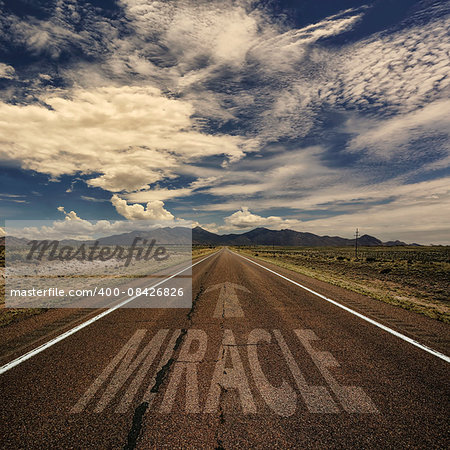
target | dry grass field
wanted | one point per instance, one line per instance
(415, 278)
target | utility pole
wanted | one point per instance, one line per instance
(356, 243)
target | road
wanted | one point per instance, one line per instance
(257, 362)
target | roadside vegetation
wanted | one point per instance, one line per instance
(414, 278)
(202, 250)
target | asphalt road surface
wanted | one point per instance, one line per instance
(257, 362)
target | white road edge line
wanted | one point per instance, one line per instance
(41, 348)
(361, 316)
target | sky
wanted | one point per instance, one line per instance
(318, 116)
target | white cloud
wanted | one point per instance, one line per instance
(418, 212)
(421, 219)
(343, 195)
(211, 227)
(278, 180)
(75, 227)
(224, 34)
(386, 138)
(198, 41)
(245, 219)
(157, 194)
(72, 215)
(11, 196)
(7, 71)
(131, 136)
(153, 211)
(189, 30)
(202, 182)
(283, 51)
(397, 71)
(194, 42)
(93, 199)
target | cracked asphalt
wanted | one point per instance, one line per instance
(257, 362)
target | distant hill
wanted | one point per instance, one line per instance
(258, 236)
(397, 242)
(264, 236)
(11, 240)
(166, 235)
(203, 237)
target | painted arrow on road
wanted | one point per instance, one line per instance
(228, 303)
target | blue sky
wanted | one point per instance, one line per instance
(318, 116)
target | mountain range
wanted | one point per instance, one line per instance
(264, 236)
(258, 236)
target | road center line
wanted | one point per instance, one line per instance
(361, 316)
(228, 303)
(41, 348)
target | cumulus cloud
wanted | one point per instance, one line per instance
(109, 133)
(7, 71)
(211, 227)
(72, 215)
(153, 211)
(245, 219)
(75, 227)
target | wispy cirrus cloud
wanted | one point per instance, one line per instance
(393, 72)
(391, 137)
(420, 217)
(417, 212)
(148, 195)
